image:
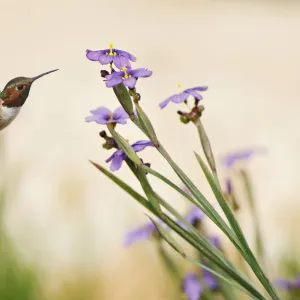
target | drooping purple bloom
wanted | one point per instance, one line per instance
(119, 156)
(230, 159)
(195, 215)
(127, 76)
(103, 115)
(142, 233)
(178, 98)
(192, 286)
(288, 285)
(210, 280)
(139, 234)
(119, 58)
(215, 240)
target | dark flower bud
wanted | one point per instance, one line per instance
(200, 109)
(103, 134)
(110, 143)
(104, 73)
(184, 119)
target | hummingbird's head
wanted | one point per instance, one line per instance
(17, 90)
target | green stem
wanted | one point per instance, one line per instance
(256, 222)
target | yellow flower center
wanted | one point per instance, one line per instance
(180, 87)
(111, 52)
(124, 69)
(110, 116)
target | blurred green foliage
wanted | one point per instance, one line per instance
(18, 281)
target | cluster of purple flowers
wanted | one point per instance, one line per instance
(122, 61)
(193, 286)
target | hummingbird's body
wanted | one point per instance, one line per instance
(7, 115)
(14, 96)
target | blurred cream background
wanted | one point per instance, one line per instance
(64, 215)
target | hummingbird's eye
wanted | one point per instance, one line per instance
(19, 87)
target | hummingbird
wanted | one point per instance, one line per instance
(14, 96)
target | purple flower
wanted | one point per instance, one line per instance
(139, 234)
(215, 240)
(118, 156)
(230, 159)
(178, 98)
(119, 58)
(127, 76)
(192, 286)
(142, 233)
(103, 115)
(210, 280)
(288, 285)
(195, 215)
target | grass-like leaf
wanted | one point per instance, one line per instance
(247, 253)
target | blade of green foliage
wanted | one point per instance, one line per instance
(247, 253)
(182, 232)
(219, 222)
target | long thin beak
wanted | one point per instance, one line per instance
(43, 74)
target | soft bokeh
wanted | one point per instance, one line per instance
(63, 216)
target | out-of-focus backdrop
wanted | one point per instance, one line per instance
(67, 220)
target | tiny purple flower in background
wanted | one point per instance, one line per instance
(195, 215)
(139, 234)
(288, 285)
(127, 76)
(230, 159)
(192, 286)
(210, 280)
(178, 98)
(119, 156)
(215, 240)
(103, 115)
(119, 58)
(142, 233)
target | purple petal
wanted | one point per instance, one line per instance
(215, 240)
(126, 55)
(283, 284)
(195, 215)
(228, 183)
(178, 98)
(210, 280)
(105, 59)
(100, 115)
(116, 162)
(230, 159)
(121, 61)
(120, 114)
(195, 94)
(94, 55)
(296, 284)
(164, 103)
(130, 82)
(118, 152)
(141, 145)
(113, 81)
(192, 286)
(142, 233)
(140, 73)
(197, 88)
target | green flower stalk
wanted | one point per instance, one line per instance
(153, 202)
